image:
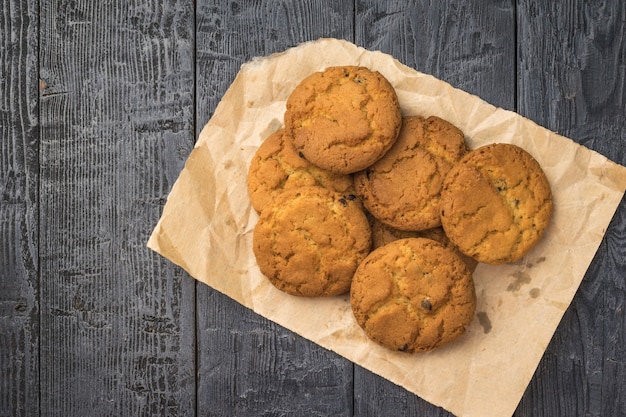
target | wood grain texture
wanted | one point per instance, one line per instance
(572, 73)
(230, 34)
(100, 105)
(19, 254)
(248, 365)
(471, 46)
(117, 326)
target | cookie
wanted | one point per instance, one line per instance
(383, 234)
(403, 188)
(343, 119)
(496, 203)
(413, 295)
(276, 166)
(310, 241)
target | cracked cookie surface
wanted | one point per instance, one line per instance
(403, 188)
(310, 241)
(413, 295)
(276, 166)
(496, 203)
(343, 119)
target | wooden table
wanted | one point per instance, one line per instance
(101, 102)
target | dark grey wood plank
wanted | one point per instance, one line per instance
(117, 321)
(228, 35)
(469, 44)
(19, 233)
(247, 365)
(572, 67)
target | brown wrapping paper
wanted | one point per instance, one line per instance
(206, 228)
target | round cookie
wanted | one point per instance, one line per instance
(496, 203)
(310, 242)
(383, 234)
(343, 119)
(403, 188)
(276, 166)
(413, 295)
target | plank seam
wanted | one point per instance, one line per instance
(194, 139)
(516, 55)
(37, 7)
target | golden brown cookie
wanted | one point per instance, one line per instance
(413, 295)
(403, 188)
(276, 166)
(343, 119)
(496, 203)
(310, 241)
(383, 234)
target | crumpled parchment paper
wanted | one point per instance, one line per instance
(207, 222)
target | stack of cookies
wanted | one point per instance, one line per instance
(397, 210)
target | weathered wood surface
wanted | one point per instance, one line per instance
(572, 79)
(273, 371)
(19, 194)
(19, 252)
(100, 104)
(116, 124)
